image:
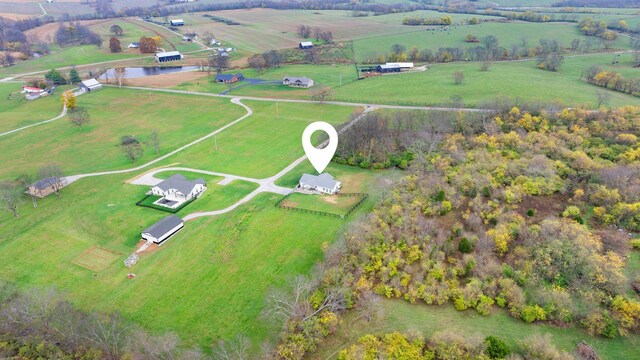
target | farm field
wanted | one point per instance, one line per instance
(508, 33)
(115, 113)
(401, 316)
(436, 85)
(16, 112)
(263, 144)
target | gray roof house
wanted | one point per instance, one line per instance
(293, 81)
(324, 183)
(163, 229)
(89, 85)
(177, 187)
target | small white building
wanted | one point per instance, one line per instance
(178, 188)
(176, 22)
(301, 82)
(402, 65)
(305, 45)
(134, 45)
(168, 56)
(324, 183)
(163, 229)
(89, 85)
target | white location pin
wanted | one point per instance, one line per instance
(320, 158)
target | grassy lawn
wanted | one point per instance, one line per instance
(221, 267)
(263, 144)
(332, 204)
(16, 112)
(401, 316)
(521, 80)
(114, 113)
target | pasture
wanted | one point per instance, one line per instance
(263, 144)
(401, 316)
(114, 113)
(332, 204)
(513, 80)
(16, 112)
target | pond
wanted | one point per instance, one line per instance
(138, 72)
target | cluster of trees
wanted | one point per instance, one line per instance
(589, 27)
(42, 324)
(598, 3)
(13, 39)
(473, 223)
(133, 148)
(418, 20)
(13, 193)
(548, 51)
(76, 34)
(453, 345)
(612, 80)
(306, 31)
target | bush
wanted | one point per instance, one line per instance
(465, 246)
(531, 313)
(635, 244)
(496, 348)
(531, 212)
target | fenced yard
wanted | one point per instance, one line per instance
(339, 205)
(149, 202)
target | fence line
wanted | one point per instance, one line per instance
(363, 196)
(163, 208)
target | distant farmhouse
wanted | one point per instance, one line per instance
(176, 190)
(229, 78)
(323, 183)
(31, 89)
(305, 45)
(168, 56)
(163, 229)
(89, 85)
(134, 45)
(32, 93)
(301, 82)
(176, 22)
(45, 187)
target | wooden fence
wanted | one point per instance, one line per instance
(363, 196)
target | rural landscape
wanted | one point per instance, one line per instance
(158, 201)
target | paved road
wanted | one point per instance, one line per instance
(73, 178)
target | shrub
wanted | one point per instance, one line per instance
(465, 246)
(496, 348)
(571, 212)
(531, 212)
(635, 244)
(531, 313)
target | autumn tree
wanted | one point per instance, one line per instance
(147, 45)
(114, 45)
(11, 195)
(116, 30)
(119, 75)
(321, 94)
(304, 31)
(79, 116)
(69, 100)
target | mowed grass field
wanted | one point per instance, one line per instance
(508, 33)
(114, 113)
(206, 283)
(16, 112)
(401, 316)
(514, 80)
(263, 144)
(332, 204)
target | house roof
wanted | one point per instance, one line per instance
(44, 183)
(225, 77)
(167, 53)
(324, 180)
(31, 88)
(163, 226)
(302, 80)
(389, 66)
(306, 43)
(90, 82)
(135, 43)
(177, 20)
(180, 183)
(401, 64)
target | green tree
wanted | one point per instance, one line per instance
(74, 78)
(54, 77)
(496, 348)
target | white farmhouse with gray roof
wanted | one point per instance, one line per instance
(178, 188)
(324, 183)
(163, 229)
(293, 81)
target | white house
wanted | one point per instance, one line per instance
(292, 81)
(89, 85)
(31, 89)
(305, 45)
(163, 229)
(176, 22)
(134, 45)
(178, 189)
(324, 183)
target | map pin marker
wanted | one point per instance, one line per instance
(320, 158)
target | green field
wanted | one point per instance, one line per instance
(401, 316)
(178, 119)
(264, 143)
(508, 33)
(16, 112)
(514, 80)
(332, 204)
